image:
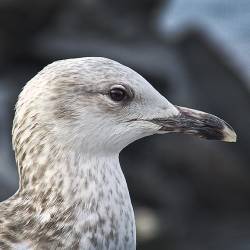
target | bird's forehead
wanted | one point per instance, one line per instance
(93, 72)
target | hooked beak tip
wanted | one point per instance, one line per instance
(229, 135)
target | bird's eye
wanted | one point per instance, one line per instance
(118, 93)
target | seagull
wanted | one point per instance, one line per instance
(71, 122)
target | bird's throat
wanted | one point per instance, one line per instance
(91, 192)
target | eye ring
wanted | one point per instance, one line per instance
(118, 93)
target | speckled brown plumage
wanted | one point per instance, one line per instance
(67, 136)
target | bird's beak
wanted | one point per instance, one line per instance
(204, 125)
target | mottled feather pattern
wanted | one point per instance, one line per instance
(66, 199)
(68, 132)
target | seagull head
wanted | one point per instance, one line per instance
(99, 105)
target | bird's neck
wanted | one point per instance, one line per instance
(87, 194)
(74, 176)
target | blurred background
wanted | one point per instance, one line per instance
(188, 194)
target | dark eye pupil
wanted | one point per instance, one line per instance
(117, 94)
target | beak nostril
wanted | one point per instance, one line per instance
(164, 108)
